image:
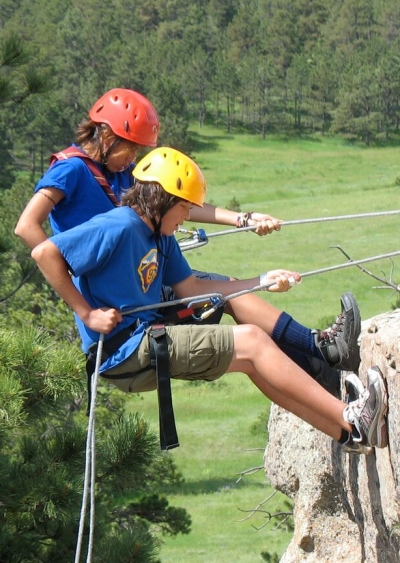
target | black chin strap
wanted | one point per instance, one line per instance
(105, 155)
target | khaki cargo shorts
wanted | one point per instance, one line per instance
(195, 352)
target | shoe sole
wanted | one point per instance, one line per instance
(349, 304)
(377, 434)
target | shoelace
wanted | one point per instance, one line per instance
(328, 336)
(355, 408)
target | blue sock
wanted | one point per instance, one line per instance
(289, 333)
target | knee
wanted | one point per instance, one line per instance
(253, 337)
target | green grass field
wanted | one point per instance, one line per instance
(290, 179)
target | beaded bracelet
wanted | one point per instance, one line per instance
(243, 219)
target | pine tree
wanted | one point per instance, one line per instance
(42, 460)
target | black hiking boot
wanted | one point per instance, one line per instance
(339, 343)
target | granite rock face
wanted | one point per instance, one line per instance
(346, 507)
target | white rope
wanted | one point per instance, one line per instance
(90, 465)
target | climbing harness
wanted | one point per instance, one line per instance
(198, 308)
(198, 237)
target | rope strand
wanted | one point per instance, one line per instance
(89, 481)
(300, 222)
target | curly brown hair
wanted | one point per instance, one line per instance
(149, 199)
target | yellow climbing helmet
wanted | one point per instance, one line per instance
(178, 174)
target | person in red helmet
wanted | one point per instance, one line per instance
(89, 177)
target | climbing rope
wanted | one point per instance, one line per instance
(198, 237)
(90, 465)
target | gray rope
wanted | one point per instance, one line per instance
(183, 301)
(302, 222)
(89, 481)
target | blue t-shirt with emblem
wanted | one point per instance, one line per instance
(118, 245)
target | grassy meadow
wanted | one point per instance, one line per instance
(290, 179)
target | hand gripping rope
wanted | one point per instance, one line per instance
(198, 237)
(209, 303)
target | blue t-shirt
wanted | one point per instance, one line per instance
(83, 196)
(118, 245)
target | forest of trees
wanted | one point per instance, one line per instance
(287, 67)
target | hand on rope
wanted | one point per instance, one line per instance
(279, 281)
(264, 224)
(102, 320)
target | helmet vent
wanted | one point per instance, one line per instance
(126, 126)
(99, 108)
(179, 183)
(147, 167)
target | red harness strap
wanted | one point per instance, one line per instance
(73, 151)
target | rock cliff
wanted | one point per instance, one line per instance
(346, 507)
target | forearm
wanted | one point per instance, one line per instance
(215, 215)
(274, 280)
(55, 270)
(263, 223)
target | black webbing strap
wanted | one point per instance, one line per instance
(160, 360)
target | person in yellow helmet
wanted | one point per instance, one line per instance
(90, 177)
(135, 244)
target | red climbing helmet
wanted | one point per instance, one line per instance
(129, 115)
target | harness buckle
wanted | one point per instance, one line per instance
(210, 305)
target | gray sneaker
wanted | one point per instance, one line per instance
(354, 388)
(367, 413)
(339, 343)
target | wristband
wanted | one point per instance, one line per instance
(265, 281)
(243, 219)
